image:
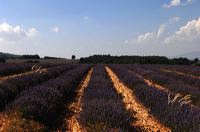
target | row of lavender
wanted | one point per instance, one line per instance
(171, 81)
(44, 103)
(172, 110)
(190, 70)
(9, 68)
(182, 78)
(11, 87)
(102, 106)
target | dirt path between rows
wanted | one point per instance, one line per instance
(144, 119)
(75, 107)
(3, 121)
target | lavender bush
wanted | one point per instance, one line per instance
(102, 107)
(43, 102)
(176, 114)
(190, 70)
(10, 68)
(10, 88)
(182, 78)
(176, 86)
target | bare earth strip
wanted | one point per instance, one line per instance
(150, 83)
(3, 122)
(179, 73)
(144, 119)
(76, 106)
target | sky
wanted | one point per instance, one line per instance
(62, 28)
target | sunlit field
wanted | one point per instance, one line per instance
(84, 97)
(99, 65)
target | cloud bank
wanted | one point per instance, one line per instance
(151, 36)
(189, 32)
(15, 33)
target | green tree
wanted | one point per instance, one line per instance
(196, 60)
(73, 57)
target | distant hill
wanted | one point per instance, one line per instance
(9, 56)
(191, 55)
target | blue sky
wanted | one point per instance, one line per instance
(87, 27)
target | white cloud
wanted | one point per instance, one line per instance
(151, 36)
(55, 29)
(161, 30)
(126, 41)
(174, 3)
(32, 32)
(174, 20)
(15, 33)
(189, 32)
(145, 37)
(86, 18)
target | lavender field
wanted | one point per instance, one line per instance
(85, 97)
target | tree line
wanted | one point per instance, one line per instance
(108, 59)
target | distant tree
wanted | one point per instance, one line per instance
(73, 57)
(2, 60)
(196, 60)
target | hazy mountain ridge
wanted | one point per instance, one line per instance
(9, 56)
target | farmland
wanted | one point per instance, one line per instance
(101, 97)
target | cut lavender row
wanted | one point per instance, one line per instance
(171, 110)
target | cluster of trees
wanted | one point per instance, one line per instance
(108, 59)
(30, 57)
(38, 57)
(182, 61)
(49, 57)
